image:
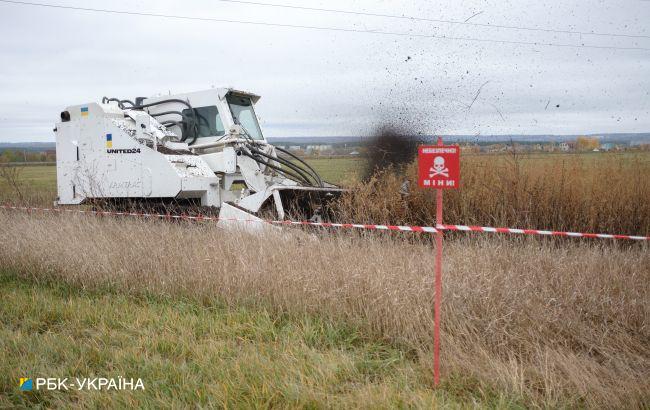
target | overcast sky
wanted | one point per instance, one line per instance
(327, 83)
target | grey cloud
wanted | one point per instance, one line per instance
(332, 83)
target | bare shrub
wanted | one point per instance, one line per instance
(11, 176)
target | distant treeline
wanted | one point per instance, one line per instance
(14, 155)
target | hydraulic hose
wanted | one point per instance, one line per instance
(176, 100)
(120, 103)
(298, 170)
(194, 126)
(186, 121)
(182, 124)
(106, 100)
(285, 172)
(171, 123)
(158, 114)
(314, 173)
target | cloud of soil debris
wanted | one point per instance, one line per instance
(390, 147)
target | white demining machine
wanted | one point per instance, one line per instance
(203, 148)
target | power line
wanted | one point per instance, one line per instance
(320, 28)
(361, 13)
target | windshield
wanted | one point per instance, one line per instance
(243, 114)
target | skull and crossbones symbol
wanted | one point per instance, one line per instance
(438, 168)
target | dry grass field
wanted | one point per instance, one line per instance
(599, 192)
(526, 322)
(342, 319)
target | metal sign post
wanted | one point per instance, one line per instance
(438, 168)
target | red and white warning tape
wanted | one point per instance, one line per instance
(402, 228)
(541, 232)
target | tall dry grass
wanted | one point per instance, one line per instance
(557, 325)
(587, 193)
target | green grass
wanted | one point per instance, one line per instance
(188, 353)
(336, 170)
(36, 177)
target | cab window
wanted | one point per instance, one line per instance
(242, 111)
(210, 124)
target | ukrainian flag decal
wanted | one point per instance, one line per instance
(84, 111)
(109, 140)
(26, 384)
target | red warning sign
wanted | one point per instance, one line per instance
(439, 166)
